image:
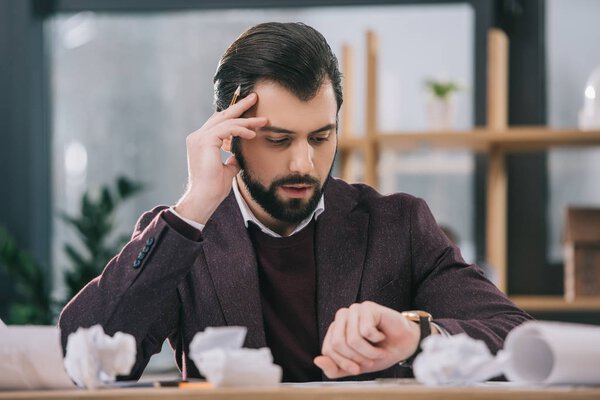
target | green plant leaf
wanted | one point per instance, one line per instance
(127, 188)
(94, 227)
(106, 201)
(33, 304)
(442, 89)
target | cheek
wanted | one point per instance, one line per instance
(324, 157)
(261, 162)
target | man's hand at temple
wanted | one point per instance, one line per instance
(209, 179)
(367, 337)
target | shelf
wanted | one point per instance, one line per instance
(556, 304)
(496, 139)
(526, 138)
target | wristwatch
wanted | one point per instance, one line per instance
(423, 318)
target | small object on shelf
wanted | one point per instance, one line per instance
(582, 253)
(441, 107)
(589, 115)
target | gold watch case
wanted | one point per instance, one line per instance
(416, 315)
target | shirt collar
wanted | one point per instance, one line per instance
(248, 215)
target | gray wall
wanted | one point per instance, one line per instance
(573, 52)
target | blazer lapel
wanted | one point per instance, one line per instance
(341, 245)
(232, 265)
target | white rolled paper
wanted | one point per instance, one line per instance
(553, 353)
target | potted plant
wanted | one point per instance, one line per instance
(440, 104)
(94, 226)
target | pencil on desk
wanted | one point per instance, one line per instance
(195, 385)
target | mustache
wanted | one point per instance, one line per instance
(296, 180)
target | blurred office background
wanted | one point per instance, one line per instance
(94, 89)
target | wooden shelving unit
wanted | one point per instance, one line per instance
(496, 140)
(515, 139)
(555, 304)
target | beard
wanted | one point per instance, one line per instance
(291, 211)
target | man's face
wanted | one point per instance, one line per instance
(287, 164)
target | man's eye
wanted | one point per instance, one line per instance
(320, 139)
(277, 141)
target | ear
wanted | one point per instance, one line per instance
(227, 144)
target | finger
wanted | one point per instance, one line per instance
(226, 131)
(236, 110)
(250, 122)
(232, 167)
(329, 367)
(226, 142)
(336, 348)
(327, 349)
(356, 340)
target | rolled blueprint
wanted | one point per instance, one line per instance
(553, 353)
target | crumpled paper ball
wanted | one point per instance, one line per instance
(219, 356)
(455, 360)
(94, 359)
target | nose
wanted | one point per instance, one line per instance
(301, 161)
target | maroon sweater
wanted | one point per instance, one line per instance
(287, 277)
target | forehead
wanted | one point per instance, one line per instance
(283, 109)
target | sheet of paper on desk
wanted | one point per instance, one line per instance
(31, 358)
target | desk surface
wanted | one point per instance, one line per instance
(345, 392)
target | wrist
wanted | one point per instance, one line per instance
(197, 210)
(422, 322)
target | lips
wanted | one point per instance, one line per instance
(297, 191)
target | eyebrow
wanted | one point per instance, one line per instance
(276, 129)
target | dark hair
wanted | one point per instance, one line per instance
(293, 55)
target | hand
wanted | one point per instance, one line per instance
(209, 179)
(366, 337)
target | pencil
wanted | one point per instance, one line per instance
(195, 385)
(235, 95)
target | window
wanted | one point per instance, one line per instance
(572, 56)
(128, 88)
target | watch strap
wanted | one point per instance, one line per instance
(423, 318)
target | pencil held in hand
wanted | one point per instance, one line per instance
(236, 94)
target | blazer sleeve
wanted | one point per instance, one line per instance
(457, 294)
(137, 290)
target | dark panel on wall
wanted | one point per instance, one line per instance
(486, 18)
(24, 151)
(5, 145)
(523, 21)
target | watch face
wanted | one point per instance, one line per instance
(416, 315)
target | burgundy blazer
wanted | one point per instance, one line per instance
(386, 249)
